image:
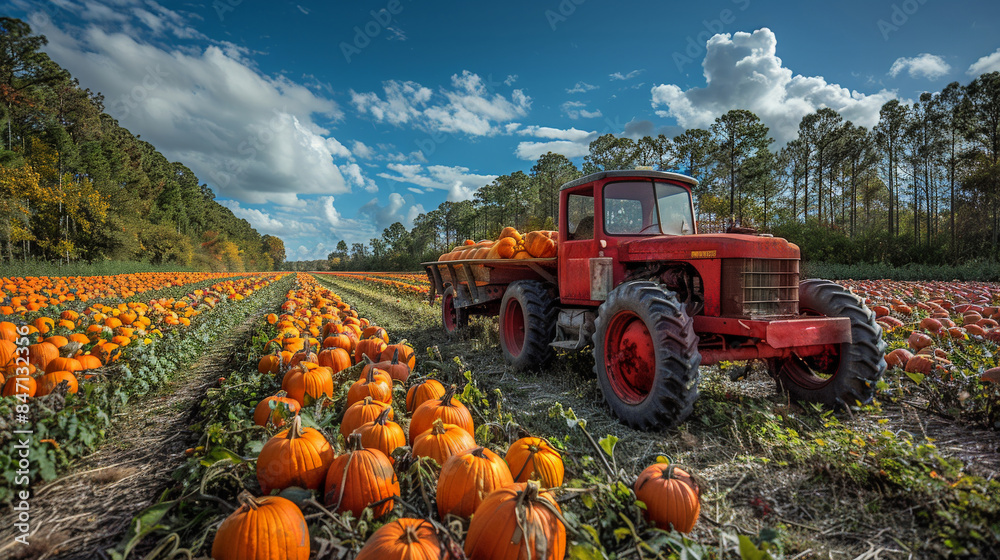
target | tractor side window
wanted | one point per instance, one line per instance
(580, 216)
(675, 209)
(629, 208)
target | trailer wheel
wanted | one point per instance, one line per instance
(646, 356)
(527, 324)
(451, 317)
(847, 373)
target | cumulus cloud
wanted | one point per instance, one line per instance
(251, 136)
(571, 142)
(399, 208)
(577, 110)
(985, 64)
(467, 107)
(357, 178)
(459, 183)
(930, 66)
(742, 71)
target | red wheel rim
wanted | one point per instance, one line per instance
(449, 316)
(814, 372)
(629, 357)
(513, 328)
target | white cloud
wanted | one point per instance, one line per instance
(622, 77)
(468, 107)
(510, 79)
(930, 66)
(252, 137)
(581, 87)
(361, 150)
(742, 71)
(571, 142)
(456, 180)
(356, 177)
(259, 219)
(398, 209)
(576, 110)
(985, 64)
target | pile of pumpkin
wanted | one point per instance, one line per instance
(511, 244)
(96, 337)
(508, 499)
(26, 294)
(935, 314)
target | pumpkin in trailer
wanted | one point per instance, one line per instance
(375, 384)
(267, 528)
(382, 434)
(442, 441)
(446, 408)
(361, 413)
(515, 522)
(361, 478)
(540, 244)
(294, 457)
(533, 458)
(424, 390)
(284, 407)
(404, 539)
(671, 496)
(467, 478)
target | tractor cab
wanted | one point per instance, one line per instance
(604, 211)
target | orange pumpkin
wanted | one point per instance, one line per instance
(360, 478)
(533, 458)
(425, 390)
(442, 441)
(447, 408)
(360, 413)
(540, 245)
(262, 528)
(671, 496)
(294, 457)
(517, 521)
(48, 382)
(263, 413)
(403, 539)
(382, 434)
(467, 478)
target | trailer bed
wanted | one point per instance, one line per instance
(478, 281)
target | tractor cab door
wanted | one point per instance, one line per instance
(578, 246)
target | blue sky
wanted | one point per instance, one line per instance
(319, 121)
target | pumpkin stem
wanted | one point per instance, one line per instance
(438, 427)
(247, 499)
(368, 361)
(478, 452)
(395, 357)
(410, 536)
(354, 442)
(448, 394)
(296, 430)
(383, 416)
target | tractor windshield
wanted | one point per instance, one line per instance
(647, 208)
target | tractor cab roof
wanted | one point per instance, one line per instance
(643, 173)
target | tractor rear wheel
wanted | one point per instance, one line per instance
(848, 372)
(452, 317)
(646, 356)
(527, 324)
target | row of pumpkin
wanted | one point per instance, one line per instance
(511, 244)
(74, 344)
(21, 295)
(509, 499)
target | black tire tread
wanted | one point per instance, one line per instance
(862, 363)
(539, 323)
(676, 383)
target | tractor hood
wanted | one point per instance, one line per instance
(706, 246)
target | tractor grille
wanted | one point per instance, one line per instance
(760, 287)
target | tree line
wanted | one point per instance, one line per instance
(76, 185)
(921, 186)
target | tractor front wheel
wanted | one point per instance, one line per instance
(646, 356)
(848, 372)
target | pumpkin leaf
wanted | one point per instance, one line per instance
(586, 551)
(749, 551)
(608, 445)
(915, 377)
(219, 453)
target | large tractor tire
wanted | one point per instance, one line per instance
(452, 317)
(646, 356)
(848, 372)
(527, 324)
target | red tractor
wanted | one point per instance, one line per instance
(655, 299)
